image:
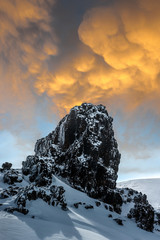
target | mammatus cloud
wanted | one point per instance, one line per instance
(110, 55)
(23, 54)
(117, 56)
(126, 36)
(120, 60)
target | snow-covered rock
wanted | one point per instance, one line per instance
(150, 187)
(11, 176)
(48, 222)
(138, 208)
(82, 149)
(81, 154)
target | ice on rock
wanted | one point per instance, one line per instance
(61, 137)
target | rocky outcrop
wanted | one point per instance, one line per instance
(143, 213)
(40, 170)
(6, 166)
(83, 152)
(141, 210)
(8, 192)
(53, 196)
(82, 149)
(12, 176)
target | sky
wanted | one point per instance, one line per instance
(55, 54)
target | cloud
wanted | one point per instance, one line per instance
(52, 58)
(24, 52)
(11, 150)
(126, 36)
(115, 59)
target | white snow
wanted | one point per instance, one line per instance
(150, 187)
(51, 223)
(82, 158)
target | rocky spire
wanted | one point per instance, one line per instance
(82, 149)
(84, 153)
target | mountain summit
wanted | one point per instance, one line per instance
(82, 149)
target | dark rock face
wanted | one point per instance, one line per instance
(84, 152)
(118, 221)
(6, 166)
(12, 176)
(39, 170)
(157, 218)
(10, 191)
(13, 209)
(82, 149)
(53, 196)
(142, 212)
(144, 216)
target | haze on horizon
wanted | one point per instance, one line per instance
(55, 54)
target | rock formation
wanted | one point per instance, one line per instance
(82, 149)
(83, 152)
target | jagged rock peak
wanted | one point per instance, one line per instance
(86, 119)
(82, 149)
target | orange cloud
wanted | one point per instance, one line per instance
(127, 36)
(122, 60)
(23, 53)
(116, 61)
(84, 62)
(46, 69)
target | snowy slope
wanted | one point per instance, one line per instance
(150, 187)
(51, 223)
